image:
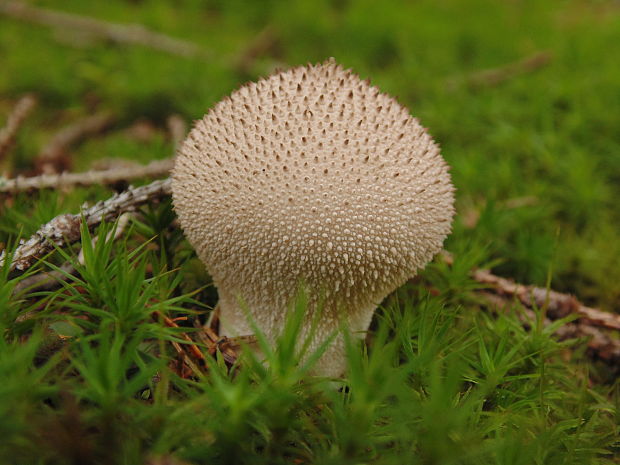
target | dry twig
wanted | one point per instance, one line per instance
(591, 322)
(599, 344)
(44, 281)
(120, 33)
(15, 120)
(65, 229)
(557, 305)
(87, 178)
(47, 280)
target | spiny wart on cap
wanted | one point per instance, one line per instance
(311, 176)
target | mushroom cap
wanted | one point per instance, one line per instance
(310, 176)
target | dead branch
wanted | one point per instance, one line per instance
(599, 344)
(495, 76)
(47, 280)
(65, 229)
(44, 281)
(50, 159)
(18, 115)
(557, 305)
(87, 178)
(114, 32)
(592, 323)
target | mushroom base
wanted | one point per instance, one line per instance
(234, 322)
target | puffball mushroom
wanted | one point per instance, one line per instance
(310, 176)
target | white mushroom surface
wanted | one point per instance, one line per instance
(311, 177)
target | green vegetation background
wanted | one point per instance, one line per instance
(535, 159)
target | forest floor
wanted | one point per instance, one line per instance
(103, 358)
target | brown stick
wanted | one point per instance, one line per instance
(18, 115)
(121, 33)
(47, 280)
(44, 281)
(65, 229)
(599, 343)
(87, 178)
(50, 159)
(557, 305)
(591, 324)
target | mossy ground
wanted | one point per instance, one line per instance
(536, 163)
